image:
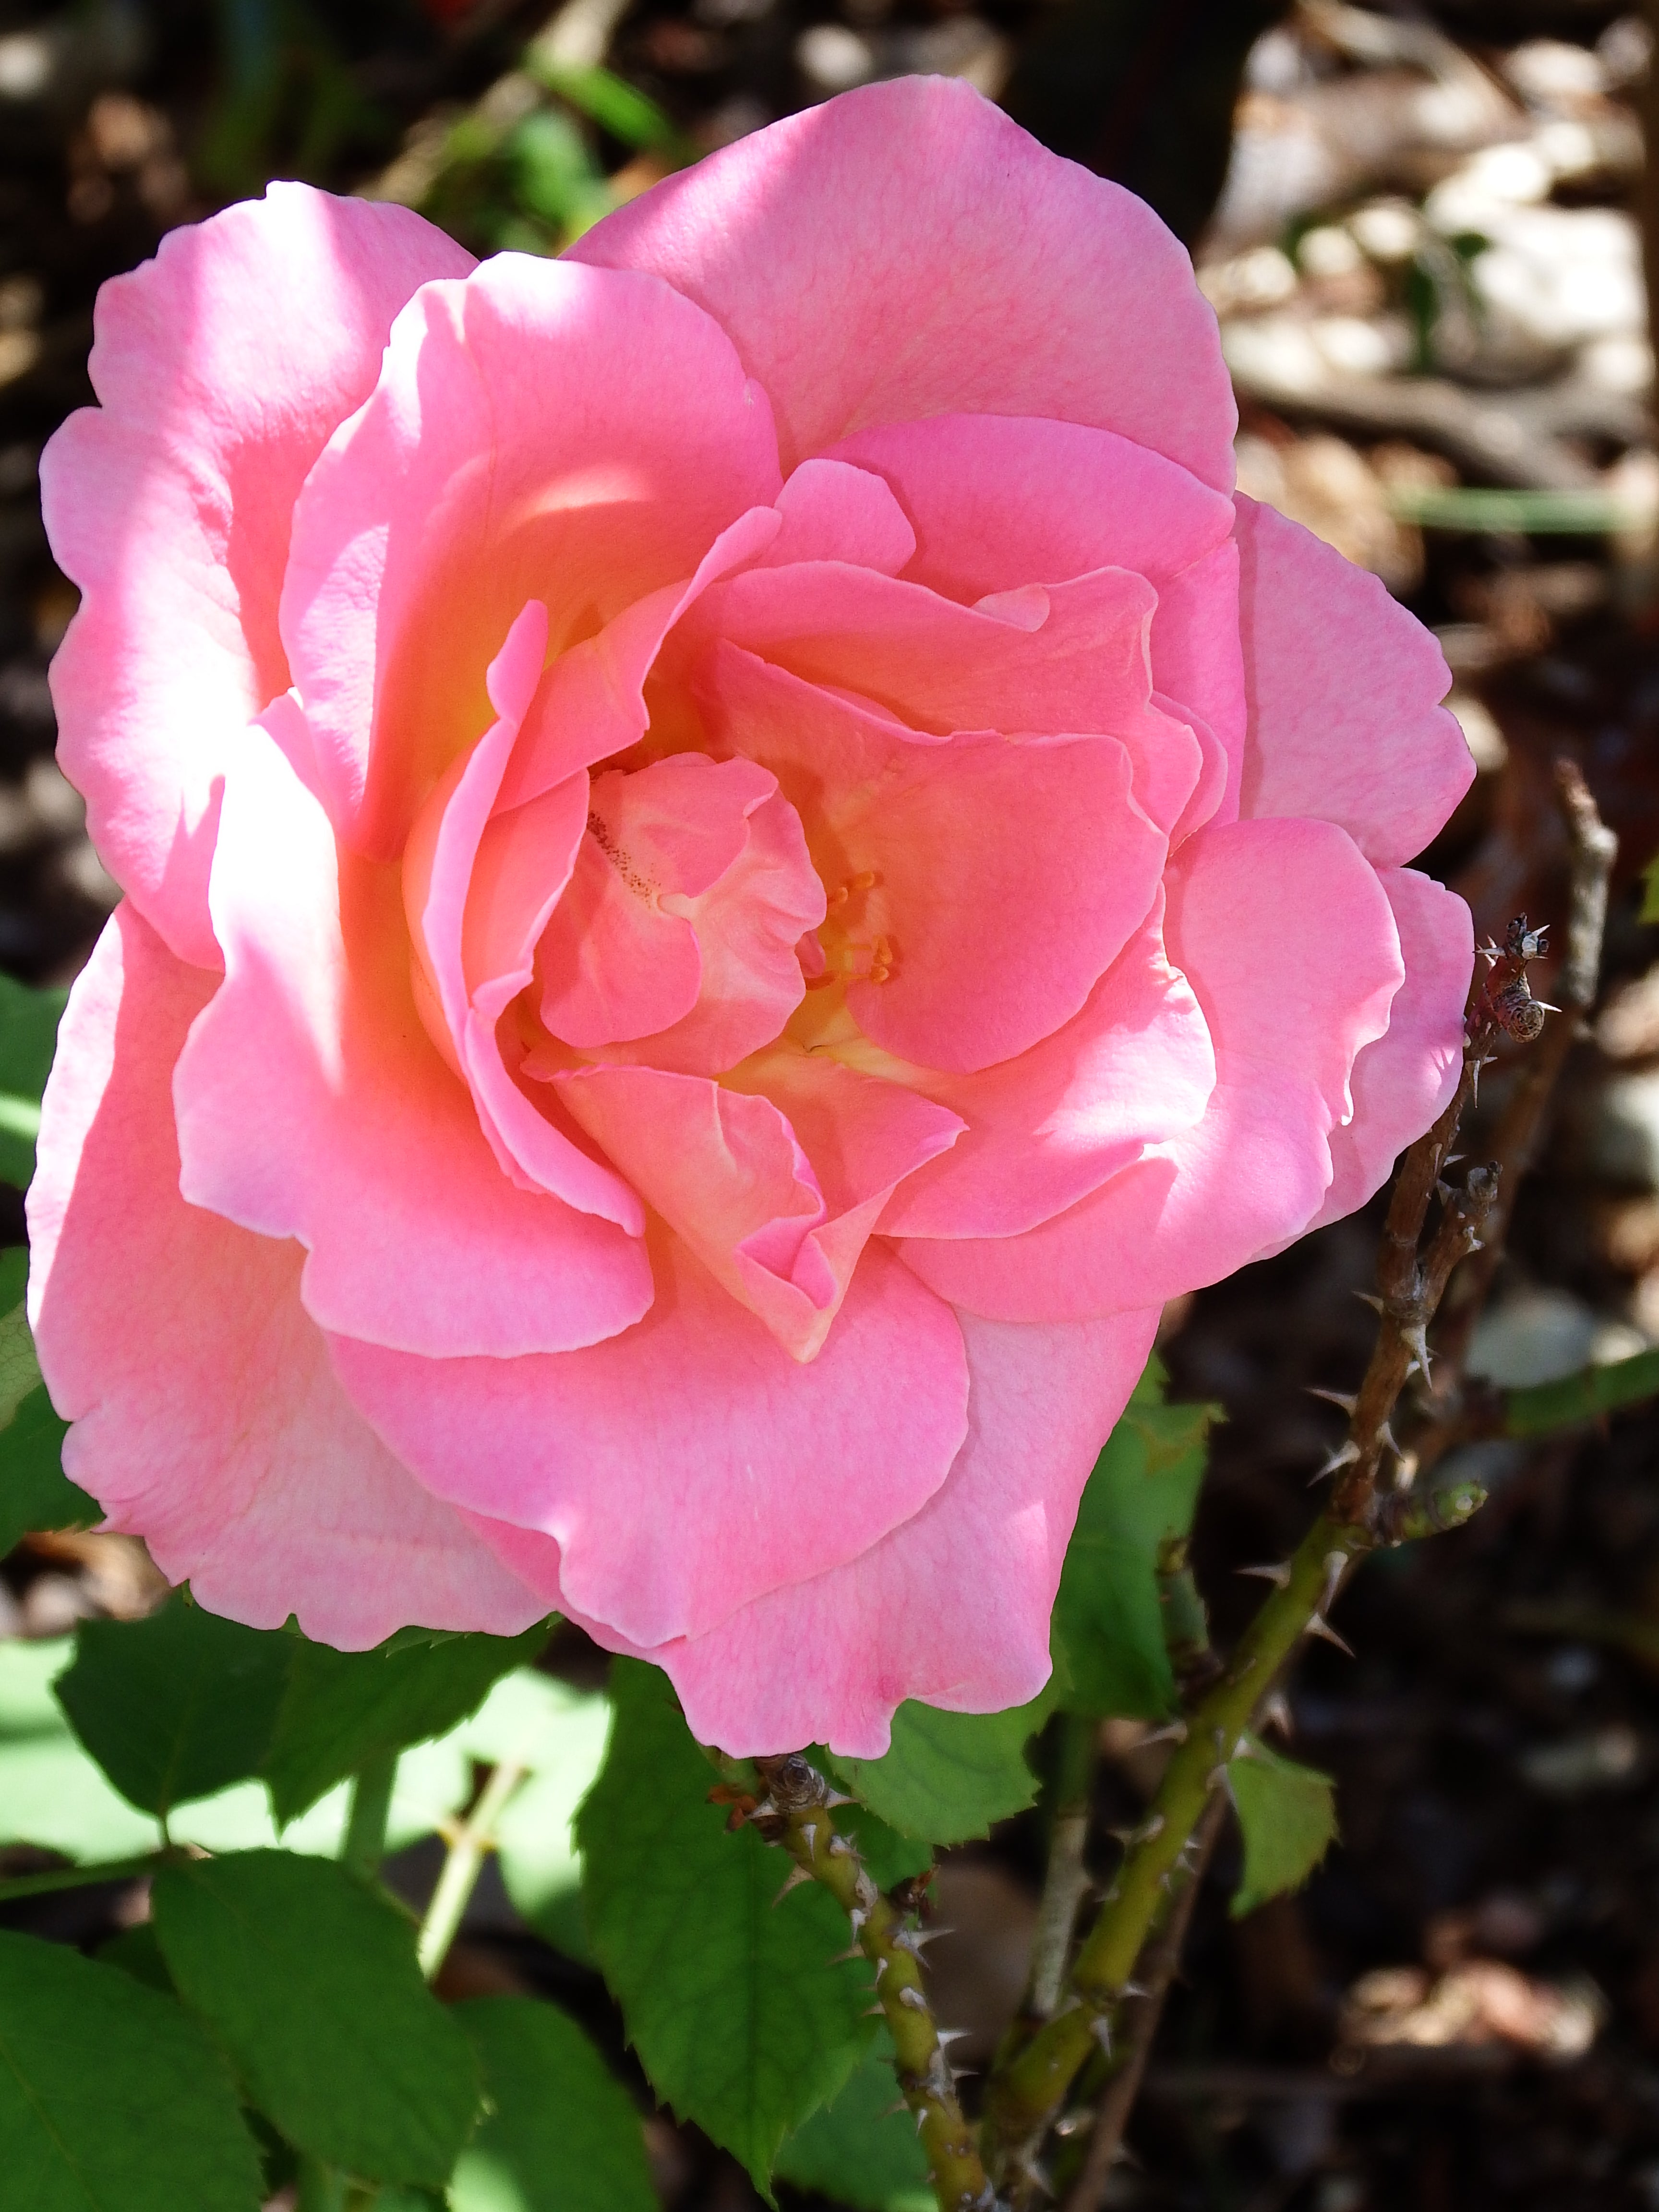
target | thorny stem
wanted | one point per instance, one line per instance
(1154, 1972)
(1028, 2089)
(798, 1813)
(469, 1844)
(1065, 1879)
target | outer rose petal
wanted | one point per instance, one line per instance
(1284, 933)
(864, 1638)
(223, 367)
(1343, 687)
(311, 1104)
(1403, 1082)
(689, 1465)
(467, 486)
(907, 250)
(207, 1417)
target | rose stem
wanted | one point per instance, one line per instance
(470, 1841)
(1026, 2091)
(364, 1843)
(798, 1812)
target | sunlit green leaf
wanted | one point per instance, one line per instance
(1288, 1814)
(949, 1775)
(729, 1996)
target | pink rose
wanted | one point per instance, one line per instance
(737, 861)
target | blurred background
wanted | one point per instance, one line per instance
(1424, 230)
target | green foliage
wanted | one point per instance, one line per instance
(111, 2099)
(557, 1736)
(1108, 1630)
(1288, 1814)
(34, 1492)
(307, 1978)
(859, 2150)
(1650, 890)
(342, 1708)
(728, 1992)
(560, 2134)
(51, 1795)
(1544, 1406)
(178, 1705)
(948, 1776)
(28, 1037)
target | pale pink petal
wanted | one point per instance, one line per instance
(832, 511)
(592, 701)
(312, 1103)
(953, 1607)
(1044, 1130)
(1284, 933)
(540, 431)
(207, 1417)
(223, 366)
(689, 1465)
(1344, 685)
(726, 1170)
(907, 250)
(1403, 1081)
(998, 502)
(984, 886)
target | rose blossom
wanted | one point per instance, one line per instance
(738, 861)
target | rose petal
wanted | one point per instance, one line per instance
(696, 1427)
(907, 250)
(311, 1104)
(467, 486)
(1343, 687)
(834, 512)
(206, 1416)
(223, 366)
(1288, 1007)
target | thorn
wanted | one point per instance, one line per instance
(1276, 1714)
(1143, 1835)
(915, 1940)
(882, 1964)
(810, 1830)
(842, 1958)
(897, 2106)
(839, 1848)
(1171, 1732)
(1321, 1627)
(1216, 1774)
(1133, 1989)
(1342, 1398)
(1416, 1341)
(1452, 1159)
(913, 1999)
(1164, 1881)
(835, 1798)
(947, 2036)
(1102, 2030)
(873, 2012)
(1369, 1298)
(793, 1880)
(1278, 1575)
(921, 2118)
(1027, 2164)
(856, 1918)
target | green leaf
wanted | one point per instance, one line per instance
(307, 1978)
(1543, 1406)
(1650, 891)
(558, 1735)
(729, 1996)
(949, 1775)
(342, 1708)
(177, 1705)
(1288, 1814)
(560, 2133)
(1108, 1627)
(111, 2099)
(859, 2150)
(28, 1037)
(135, 1951)
(34, 1491)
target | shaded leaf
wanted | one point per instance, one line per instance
(1593, 1391)
(1288, 1814)
(111, 2099)
(1108, 1626)
(560, 2132)
(28, 1037)
(177, 1705)
(307, 1978)
(342, 1708)
(729, 1996)
(859, 2150)
(949, 1775)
